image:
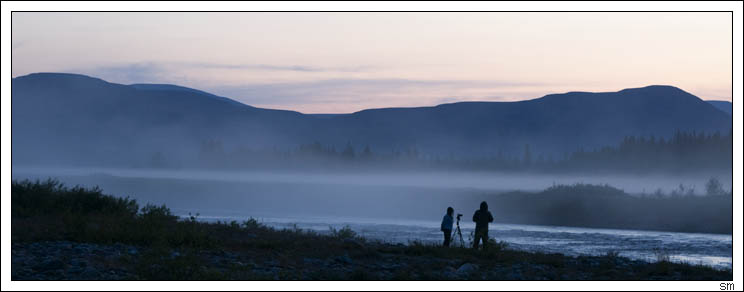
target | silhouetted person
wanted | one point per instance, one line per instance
(447, 226)
(481, 218)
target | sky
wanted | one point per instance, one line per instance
(346, 62)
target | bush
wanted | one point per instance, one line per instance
(157, 214)
(343, 233)
(251, 224)
(497, 246)
(50, 211)
(52, 197)
(612, 254)
(662, 255)
(714, 187)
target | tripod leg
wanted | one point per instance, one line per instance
(459, 233)
(462, 241)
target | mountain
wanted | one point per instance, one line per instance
(176, 88)
(67, 118)
(74, 118)
(723, 105)
(554, 122)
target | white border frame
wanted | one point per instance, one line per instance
(5, 175)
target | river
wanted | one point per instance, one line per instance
(397, 208)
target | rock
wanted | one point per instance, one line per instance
(514, 276)
(344, 259)
(49, 264)
(53, 274)
(65, 245)
(75, 270)
(78, 263)
(312, 262)
(90, 274)
(449, 272)
(467, 268)
(80, 249)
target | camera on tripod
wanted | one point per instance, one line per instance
(458, 232)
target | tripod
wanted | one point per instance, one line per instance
(459, 233)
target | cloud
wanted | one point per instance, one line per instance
(163, 71)
(130, 73)
(265, 67)
(15, 45)
(322, 94)
(358, 94)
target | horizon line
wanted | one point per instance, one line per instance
(366, 109)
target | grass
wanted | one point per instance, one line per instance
(187, 249)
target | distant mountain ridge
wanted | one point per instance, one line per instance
(170, 87)
(725, 106)
(89, 119)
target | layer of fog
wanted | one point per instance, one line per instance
(352, 195)
(633, 184)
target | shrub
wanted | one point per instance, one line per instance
(157, 213)
(50, 211)
(52, 197)
(251, 224)
(714, 187)
(612, 254)
(497, 246)
(662, 255)
(343, 233)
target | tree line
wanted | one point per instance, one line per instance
(683, 151)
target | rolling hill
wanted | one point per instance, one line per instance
(67, 119)
(725, 106)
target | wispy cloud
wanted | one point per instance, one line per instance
(15, 45)
(357, 94)
(296, 68)
(129, 73)
(321, 94)
(167, 71)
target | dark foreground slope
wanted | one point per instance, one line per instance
(81, 234)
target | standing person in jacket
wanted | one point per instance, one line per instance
(447, 226)
(481, 218)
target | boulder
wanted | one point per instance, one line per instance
(344, 259)
(467, 268)
(49, 264)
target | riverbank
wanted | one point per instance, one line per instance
(347, 260)
(63, 233)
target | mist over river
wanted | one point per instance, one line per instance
(394, 207)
